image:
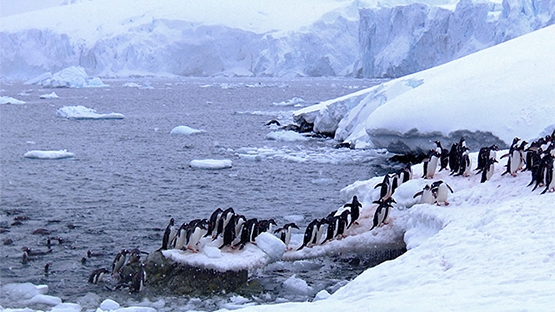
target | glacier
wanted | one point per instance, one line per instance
(292, 38)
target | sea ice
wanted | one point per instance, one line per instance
(38, 154)
(211, 164)
(185, 130)
(82, 112)
(10, 100)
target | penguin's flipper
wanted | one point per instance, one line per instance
(449, 187)
(418, 194)
(378, 185)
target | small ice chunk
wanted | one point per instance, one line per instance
(287, 136)
(297, 285)
(36, 154)
(45, 299)
(185, 130)
(321, 295)
(211, 163)
(109, 304)
(212, 252)
(67, 307)
(22, 291)
(10, 100)
(271, 245)
(52, 95)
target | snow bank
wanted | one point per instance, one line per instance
(185, 130)
(10, 100)
(488, 97)
(214, 164)
(37, 154)
(71, 77)
(82, 112)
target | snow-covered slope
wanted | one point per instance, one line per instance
(260, 38)
(489, 97)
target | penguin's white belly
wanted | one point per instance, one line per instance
(432, 166)
(489, 174)
(195, 237)
(442, 193)
(515, 162)
(427, 197)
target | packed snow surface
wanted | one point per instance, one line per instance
(489, 97)
(82, 112)
(38, 154)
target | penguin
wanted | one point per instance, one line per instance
(229, 234)
(387, 186)
(354, 208)
(465, 163)
(382, 212)
(197, 230)
(285, 233)
(430, 164)
(454, 160)
(97, 275)
(266, 225)
(488, 169)
(310, 233)
(239, 222)
(181, 237)
(441, 191)
(321, 228)
(119, 261)
(405, 174)
(484, 155)
(426, 195)
(32, 252)
(549, 174)
(515, 157)
(443, 156)
(222, 223)
(138, 280)
(344, 220)
(333, 228)
(169, 234)
(248, 233)
(213, 221)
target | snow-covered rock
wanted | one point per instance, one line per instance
(82, 112)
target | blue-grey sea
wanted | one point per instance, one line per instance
(130, 176)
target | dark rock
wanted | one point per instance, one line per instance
(183, 279)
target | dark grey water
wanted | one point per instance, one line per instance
(130, 176)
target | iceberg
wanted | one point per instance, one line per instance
(82, 112)
(71, 77)
(10, 100)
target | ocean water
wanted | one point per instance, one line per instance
(130, 176)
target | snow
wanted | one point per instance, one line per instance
(489, 97)
(297, 285)
(268, 249)
(38, 154)
(185, 130)
(10, 100)
(82, 112)
(213, 164)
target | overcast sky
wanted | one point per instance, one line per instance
(12, 7)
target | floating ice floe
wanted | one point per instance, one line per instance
(82, 112)
(37, 154)
(268, 249)
(10, 100)
(52, 95)
(287, 136)
(211, 163)
(296, 101)
(71, 77)
(185, 130)
(146, 85)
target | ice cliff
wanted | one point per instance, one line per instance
(260, 38)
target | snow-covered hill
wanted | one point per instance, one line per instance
(259, 38)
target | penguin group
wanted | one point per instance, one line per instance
(127, 270)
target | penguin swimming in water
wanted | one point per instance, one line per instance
(426, 195)
(97, 275)
(213, 221)
(382, 212)
(285, 233)
(441, 191)
(310, 233)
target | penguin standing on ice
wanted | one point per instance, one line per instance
(249, 233)
(443, 156)
(516, 157)
(354, 209)
(464, 163)
(454, 160)
(266, 225)
(169, 235)
(223, 221)
(182, 236)
(321, 229)
(310, 233)
(549, 176)
(405, 174)
(387, 186)
(229, 234)
(426, 195)
(441, 191)
(285, 233)
(382, 212)
(213, 221)
(484, 154)
(430, 164)
(197, 230)
(488, 169)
